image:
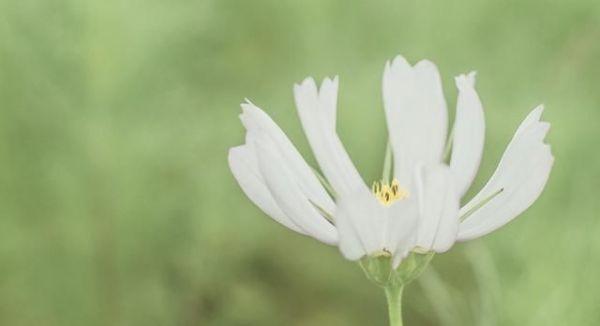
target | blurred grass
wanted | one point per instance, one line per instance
(117, 206)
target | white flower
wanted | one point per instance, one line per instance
(420, 209)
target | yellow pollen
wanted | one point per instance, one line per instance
(389, 193)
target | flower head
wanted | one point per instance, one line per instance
(419, 210)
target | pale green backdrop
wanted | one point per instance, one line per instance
(117, 206)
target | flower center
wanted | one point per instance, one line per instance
(388, 193)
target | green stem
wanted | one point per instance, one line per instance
(393, 293)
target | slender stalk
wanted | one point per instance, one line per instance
(480, 204)
(393, 293)
(448, 149)
(324, 182)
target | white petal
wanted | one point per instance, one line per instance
(367, 227)
(317, 111)
(255, 120)
(285, 188)
(402, 228)
(521, 176)
(439, 205)
(244, 166)
(416, 115)
(469, 133)
(361, 222)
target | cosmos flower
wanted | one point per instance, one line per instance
(417, 209)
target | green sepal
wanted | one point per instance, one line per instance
(413, 266)
(379, 269)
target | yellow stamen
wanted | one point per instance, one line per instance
(389, 193)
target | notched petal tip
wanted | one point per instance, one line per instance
(329, 82)
(536, 113)
(396, 67)
(399, 61)
(532, 121)
(387, 66)
(247, 106)
(540, 107)
(427, 72)
(545, 126)
(307, 83)
(426, 64)
(465, 81)
(305, 89)
(248, 111)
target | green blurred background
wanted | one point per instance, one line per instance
(117, 206)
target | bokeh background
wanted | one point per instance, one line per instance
(117, 206)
